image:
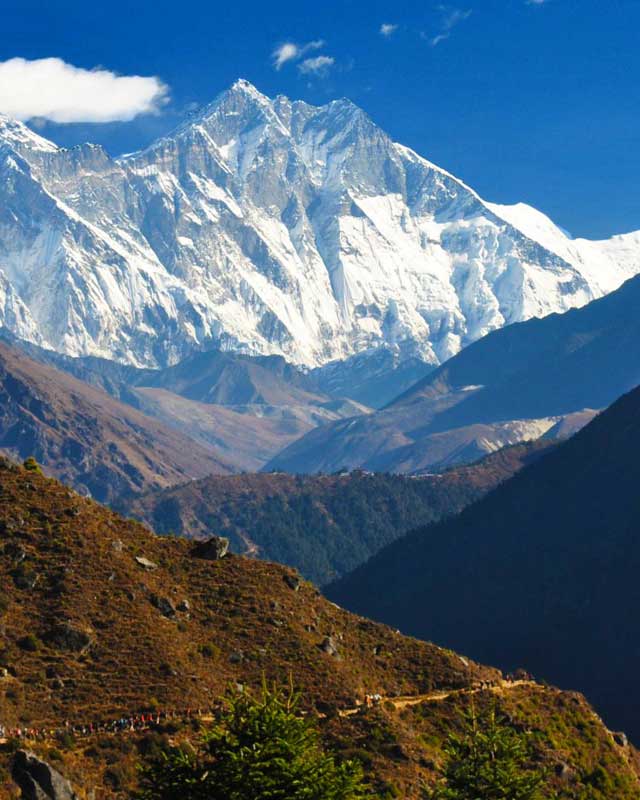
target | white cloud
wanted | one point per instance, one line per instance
(286, 52)
(51, 89)
(388, 29)
(316, 66)
(450, 18)
(290, 51)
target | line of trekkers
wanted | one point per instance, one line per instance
(135, 722)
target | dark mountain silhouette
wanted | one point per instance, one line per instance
(542, 573)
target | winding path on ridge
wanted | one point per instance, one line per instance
(439, 695)
(82, 731)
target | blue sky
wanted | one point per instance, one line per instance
(533, 101)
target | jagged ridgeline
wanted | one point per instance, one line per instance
(271, 226)
(101, 619)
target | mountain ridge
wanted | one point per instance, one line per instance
(323, 525)
(103, 620)
(269, 227)
(518, 382)
(84, 436)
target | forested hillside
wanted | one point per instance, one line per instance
(324, 525)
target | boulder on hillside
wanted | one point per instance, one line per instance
(38, 780)
(164, 605)
(67, 636)
(212, 549)
(329, 647)
(620, 738)
(145, 563)
(292, 581)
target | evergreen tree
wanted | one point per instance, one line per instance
(488, 760)
(260, 749)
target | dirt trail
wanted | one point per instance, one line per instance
(85, 732)
(442, 694)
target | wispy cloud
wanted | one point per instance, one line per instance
(450, 18)
(51, 89)
(388, 29)
(319, 65)
(290, 51)
(536, 2)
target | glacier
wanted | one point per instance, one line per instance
(269, 226)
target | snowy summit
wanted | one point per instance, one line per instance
(271, 226)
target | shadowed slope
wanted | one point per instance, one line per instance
(541, 573)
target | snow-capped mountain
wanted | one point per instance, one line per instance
(272, 227)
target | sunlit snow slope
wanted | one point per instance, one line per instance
(272, 227)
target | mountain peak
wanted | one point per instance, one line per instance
(246, 87)
(243, 90)
(17, 133)
(276, 227)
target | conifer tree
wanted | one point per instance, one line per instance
(259, 749)
(488, 760)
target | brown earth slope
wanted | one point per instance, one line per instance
(100, 618)
(246, 408)
(87, 438)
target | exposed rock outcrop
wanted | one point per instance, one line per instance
(38, 780)
(212, 549)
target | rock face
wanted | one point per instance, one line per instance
(272, 227)
(38, 780)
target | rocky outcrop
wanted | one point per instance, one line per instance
(164, 605)
(145, 563)
(330, 647)
(66, 635)
(38, 780)
(292, 581)
(212, 549)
